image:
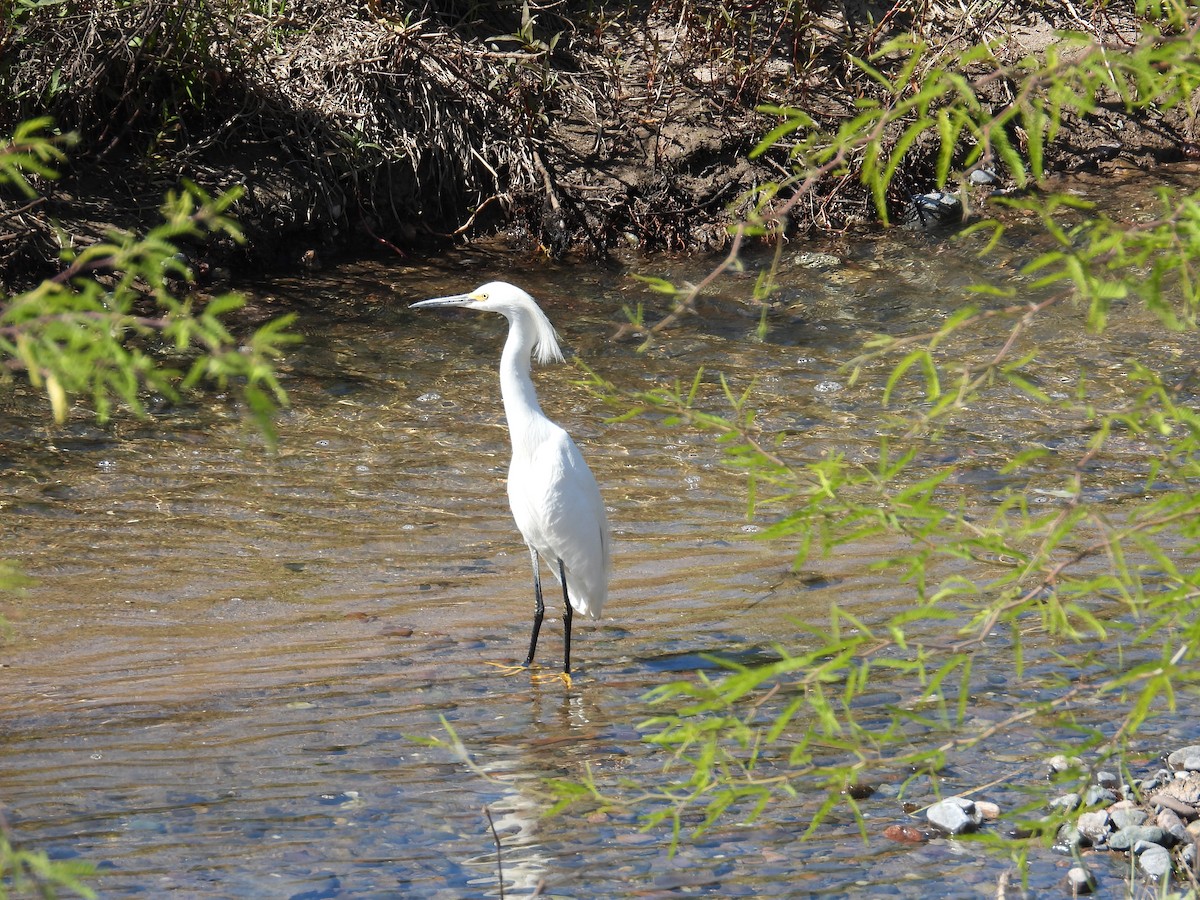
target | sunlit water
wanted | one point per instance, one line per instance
(214, 686)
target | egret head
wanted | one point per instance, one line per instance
(515, 305)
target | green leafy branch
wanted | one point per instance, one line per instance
(799, 727)
(32, 150)
(28, 872)
(1034, 575)
(921, 92)
(113, 325)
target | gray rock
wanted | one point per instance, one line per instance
(1066, 802)
(1186, 758)
(1168, 820)
(983, 176)
(1125, 817)
(1181, 795)
(1058, 764)
(1185, 786)
(1108, 780)
(1094, 826)
(1133, 834)
(1098, 796)
(1068, 839)
(1080, 880)
(954, 815)
(1153, 859)
(935, 209)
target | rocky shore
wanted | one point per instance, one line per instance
(1153, 821)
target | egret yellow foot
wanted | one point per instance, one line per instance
(508, 668)
(547, 677)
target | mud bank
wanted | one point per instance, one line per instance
(562, 128)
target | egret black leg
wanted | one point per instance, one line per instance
(567, 613)
(539, 611)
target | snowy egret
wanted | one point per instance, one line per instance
(553, 495)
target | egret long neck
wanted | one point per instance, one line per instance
(516, 385)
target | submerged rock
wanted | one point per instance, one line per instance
(954, 815)
(936, 209)
(1080, 880)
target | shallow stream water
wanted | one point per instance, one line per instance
(213, 688)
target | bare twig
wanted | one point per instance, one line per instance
(499, 859)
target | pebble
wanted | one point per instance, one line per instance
(1168, 820)
(988, 810)
(1186, 758)
(1066, 802)
(1153, 859)
(1124, 817)
(1058, 764)
(1131, 835)
(1080, 880)
(1094, 826)
(1156, 814)
(954, 815)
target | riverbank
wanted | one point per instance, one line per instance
(414, 126)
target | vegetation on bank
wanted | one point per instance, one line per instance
(575, 125)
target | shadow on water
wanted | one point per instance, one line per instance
(216, 681)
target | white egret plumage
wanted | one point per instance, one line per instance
(554, 497)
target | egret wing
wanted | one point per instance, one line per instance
(557, 506)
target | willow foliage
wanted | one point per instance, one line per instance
(1044, 581)
(118, 320)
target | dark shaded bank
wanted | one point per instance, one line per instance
(567, 126)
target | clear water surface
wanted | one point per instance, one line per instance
(212, 689)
